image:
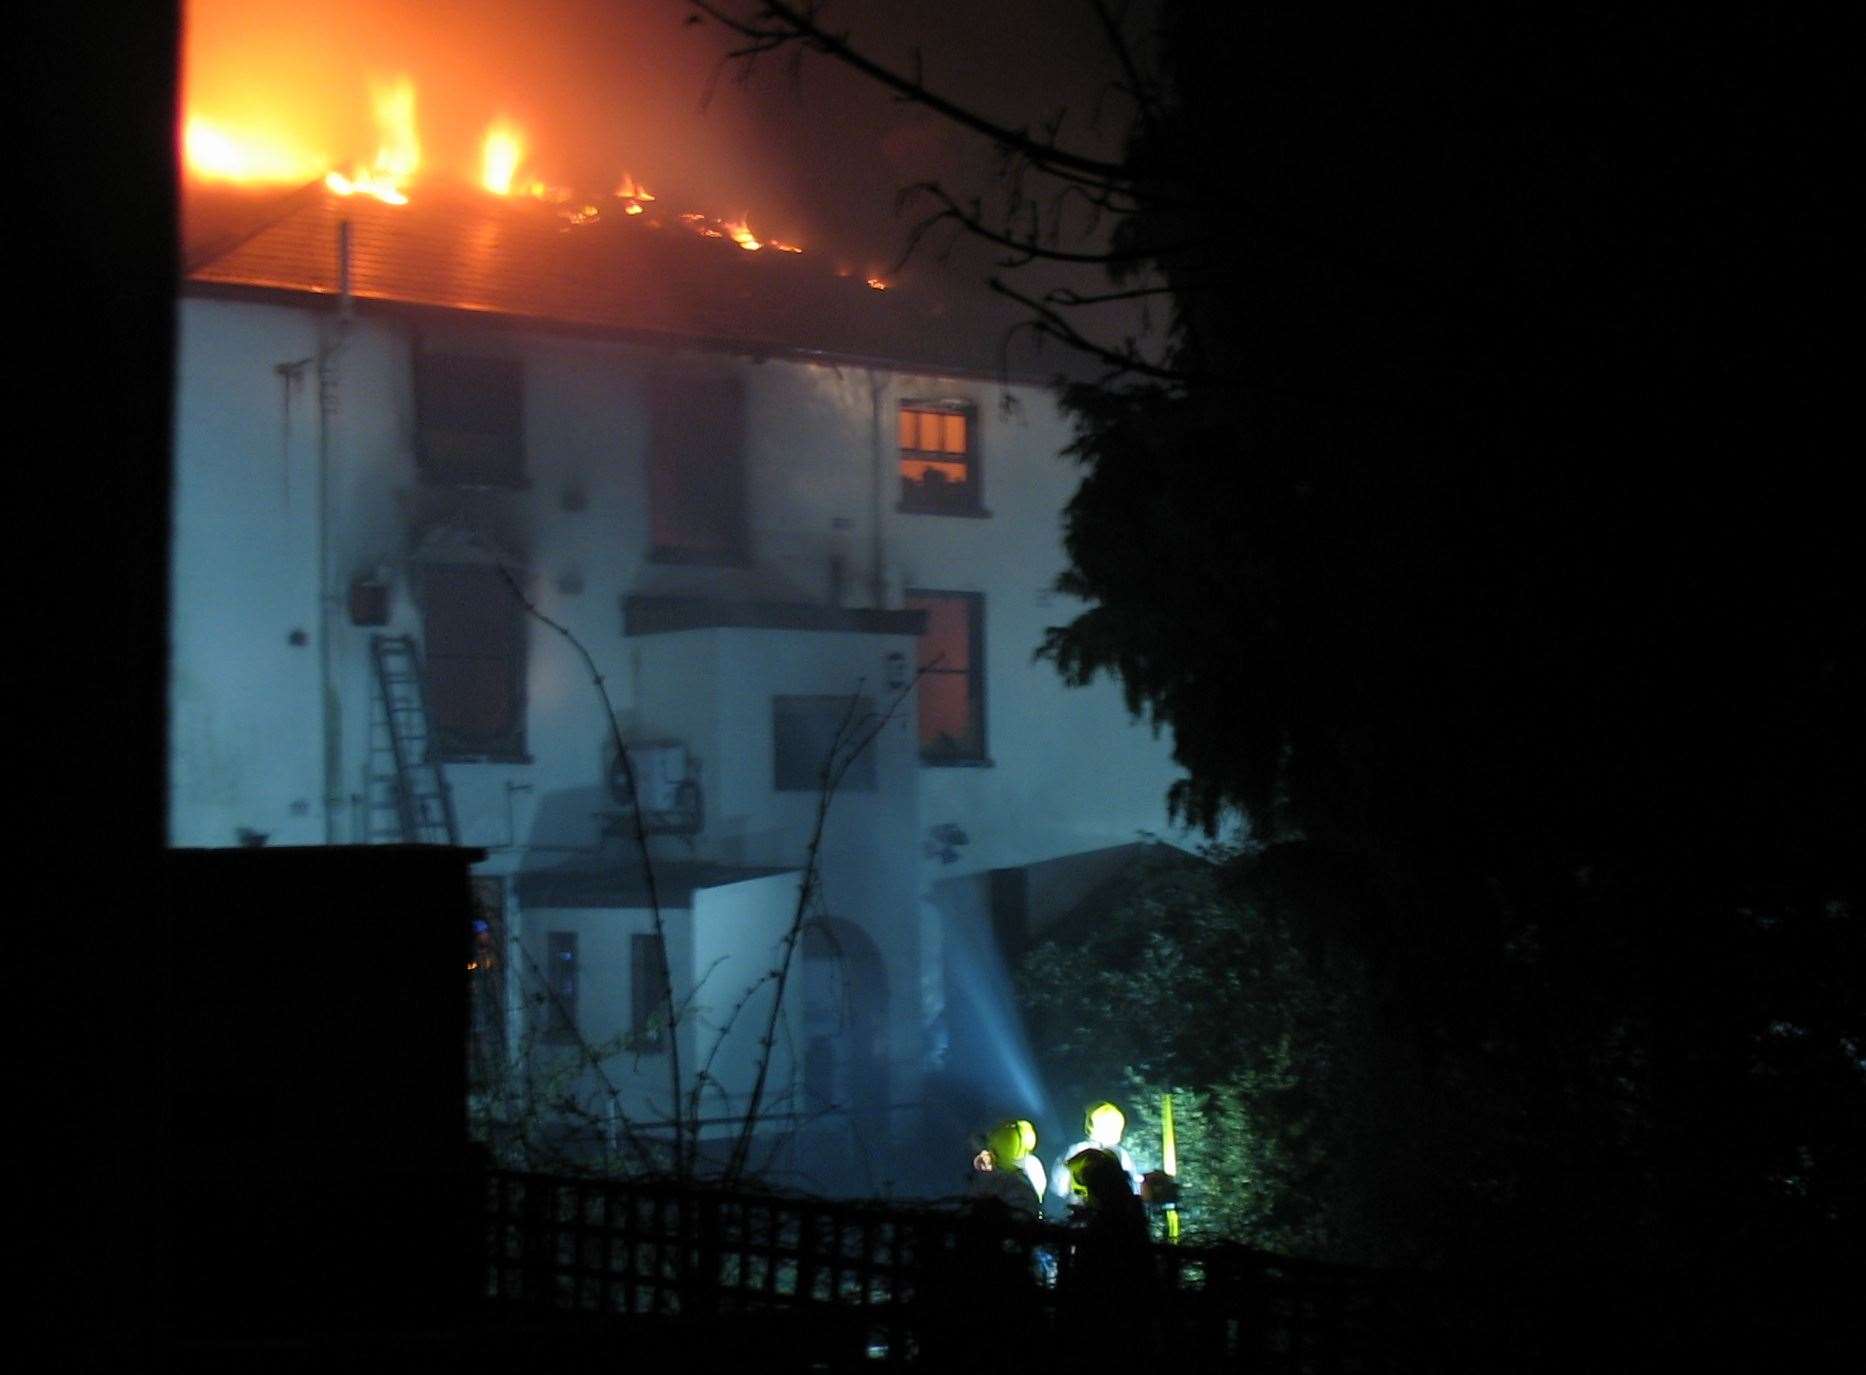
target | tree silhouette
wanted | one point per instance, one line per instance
(1473, 524)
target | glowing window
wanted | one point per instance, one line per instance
(952, 676)
(939, 461)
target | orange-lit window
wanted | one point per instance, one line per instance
(939, 462)
(952, 676)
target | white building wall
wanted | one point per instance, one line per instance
(247, 721)
(639, 1083)
(245, 696)
(739, 930)
(1068, 770)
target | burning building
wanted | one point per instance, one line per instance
(424, 424)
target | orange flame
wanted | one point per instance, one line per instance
(214, 154)
(877, 284)
(504, 150)
(398, 154)
(630, 191)
(253, 152)
(741, 234)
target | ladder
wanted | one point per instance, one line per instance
(408, 784)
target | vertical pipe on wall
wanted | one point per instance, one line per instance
(877, 571)
(327, 383)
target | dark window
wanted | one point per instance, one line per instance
(939, 460)
(696, 470)
(486, 984)
(952, 676)
(560, 995)
(474, 632)
(470, 419)
(647, 993)
(813, 731)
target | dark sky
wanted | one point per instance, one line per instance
(603, 87)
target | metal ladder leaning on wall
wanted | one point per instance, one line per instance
(416, 791)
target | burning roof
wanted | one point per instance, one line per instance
(432, 226)
(558, 261)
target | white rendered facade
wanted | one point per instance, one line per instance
(296, 477)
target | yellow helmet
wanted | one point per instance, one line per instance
(1104, 1123)
(1006, 1142)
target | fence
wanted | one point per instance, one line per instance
(872, 1284)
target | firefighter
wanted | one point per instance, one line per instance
(1103, 1123)
(1107, 1304)
(1001, 1167)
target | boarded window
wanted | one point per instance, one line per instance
(696, 470)
(470, 419)
(939, 462)
(560, 998)
(952, 676)
(810, 732)
(648, 985)
(474, 633)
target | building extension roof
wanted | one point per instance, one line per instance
(535, 263)
(621, 883)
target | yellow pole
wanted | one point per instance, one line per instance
(1169, 1161)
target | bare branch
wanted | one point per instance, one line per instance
(641, 848)
(777, 23)
(1049, 324)
(1114, 29)
(1068, 297)
(1026, 249)
(848, 744)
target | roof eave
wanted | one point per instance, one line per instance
(757, 350)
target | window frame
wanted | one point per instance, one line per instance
(974, 671)
(863, 774)
(647, 968)
(672, 397)
(510, 748)
(561, 1022)
(969, 500)
(437, 470)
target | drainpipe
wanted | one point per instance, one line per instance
(877, 572)
(327, 383)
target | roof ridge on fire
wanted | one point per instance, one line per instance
(568, 267)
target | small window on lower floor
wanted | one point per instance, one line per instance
(815, 736)
(560, 988)
(952, 676)
(648, 1001)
